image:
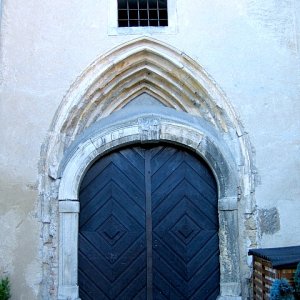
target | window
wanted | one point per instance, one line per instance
(142, 13)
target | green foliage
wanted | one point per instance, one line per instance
(281, 289)
(297, 279)
(4, 289)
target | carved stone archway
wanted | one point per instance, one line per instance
(92, 120)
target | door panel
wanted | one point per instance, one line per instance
(172, 255)
(112, 248)
(185, 228)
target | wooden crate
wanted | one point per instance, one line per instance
(264, 275)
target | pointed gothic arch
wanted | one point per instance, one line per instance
(87, 125)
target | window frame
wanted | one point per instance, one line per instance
(114, 29)
(146, 13)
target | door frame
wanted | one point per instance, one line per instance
(176, 80)
(131, 127)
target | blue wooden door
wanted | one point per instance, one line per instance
(148, 227)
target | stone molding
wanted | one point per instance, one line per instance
(228, 203)
(144, 126)
(148, 128)
(69, 206)
(68, 245)
(143, 65)
(140, 66)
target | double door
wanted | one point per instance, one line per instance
(148, 226)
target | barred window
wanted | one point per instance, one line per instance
(139, 13)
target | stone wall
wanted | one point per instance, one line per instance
(250, 49)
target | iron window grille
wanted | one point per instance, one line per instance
(141, 13)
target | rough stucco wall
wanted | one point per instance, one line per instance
(19, 238)
(250, 48)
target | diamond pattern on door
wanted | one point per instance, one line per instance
(111, 230)
(112, 248)
(185, 229)
(117, 257)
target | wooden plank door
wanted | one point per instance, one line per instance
(185, 227)
(149, 227)
(112, 236)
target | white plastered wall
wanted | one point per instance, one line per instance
(249, 47)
